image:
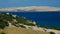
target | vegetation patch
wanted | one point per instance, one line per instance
(52, 33)
(2, 33)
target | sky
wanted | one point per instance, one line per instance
(19, 3)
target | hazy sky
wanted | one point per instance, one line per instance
(17, 3)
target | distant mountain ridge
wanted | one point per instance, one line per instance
(31, 8)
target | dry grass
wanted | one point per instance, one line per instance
(16, 30)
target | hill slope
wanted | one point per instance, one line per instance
(6, 19)
(13, 24)
(16, 30)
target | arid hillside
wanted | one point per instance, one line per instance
(19, 30)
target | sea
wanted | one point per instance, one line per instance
(48, 18)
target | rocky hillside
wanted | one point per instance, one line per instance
(7, 19)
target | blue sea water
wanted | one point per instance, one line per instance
(44, 18)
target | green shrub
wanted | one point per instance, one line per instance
(2, 33)
(3, 24)
(52, 33)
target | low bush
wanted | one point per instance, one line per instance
(2, 33)
(52, 33)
